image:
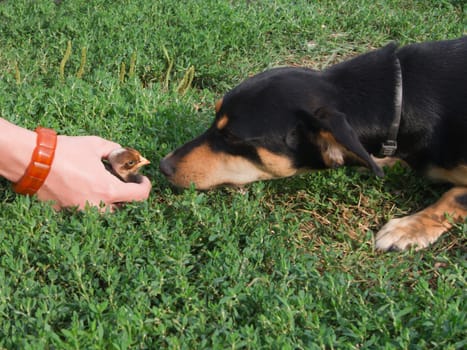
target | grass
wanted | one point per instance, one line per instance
(287, 264)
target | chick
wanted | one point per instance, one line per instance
(125, 163)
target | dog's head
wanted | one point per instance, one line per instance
(276, 124)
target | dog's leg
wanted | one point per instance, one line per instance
(423, 228)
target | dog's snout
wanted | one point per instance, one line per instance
(167, 167)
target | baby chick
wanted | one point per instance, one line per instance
(125, 163)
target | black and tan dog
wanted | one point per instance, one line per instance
(408, 102)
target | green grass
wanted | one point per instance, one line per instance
(287, 264)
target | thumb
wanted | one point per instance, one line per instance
(104, 147)
(130, 191)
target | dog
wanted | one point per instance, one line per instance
(406, 102)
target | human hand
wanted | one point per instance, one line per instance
(79, 178)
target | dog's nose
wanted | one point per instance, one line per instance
(166, 167)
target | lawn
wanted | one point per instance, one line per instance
(286, 264)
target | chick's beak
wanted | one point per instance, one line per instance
(143, 161)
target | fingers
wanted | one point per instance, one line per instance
(122, 192)
(110, 208)
(128, 192)
(125, 192)
(103, 146)
(102, 207)
(79, 178)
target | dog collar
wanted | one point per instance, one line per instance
(389, 147)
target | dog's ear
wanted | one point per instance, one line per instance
(336, 138)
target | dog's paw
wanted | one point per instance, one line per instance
(411, 231)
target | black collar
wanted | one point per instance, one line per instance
(389, 147)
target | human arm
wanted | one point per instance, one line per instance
(77, 175)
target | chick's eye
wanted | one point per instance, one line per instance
(130, 163)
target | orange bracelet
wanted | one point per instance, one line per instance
(41, 162)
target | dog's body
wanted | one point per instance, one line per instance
(289, 120)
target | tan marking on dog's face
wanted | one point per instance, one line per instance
(218, 105)
(276, 165)
(222, 122)
(207, 169)
(331, 151)
(457, 175)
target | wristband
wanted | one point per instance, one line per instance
(41, 162)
